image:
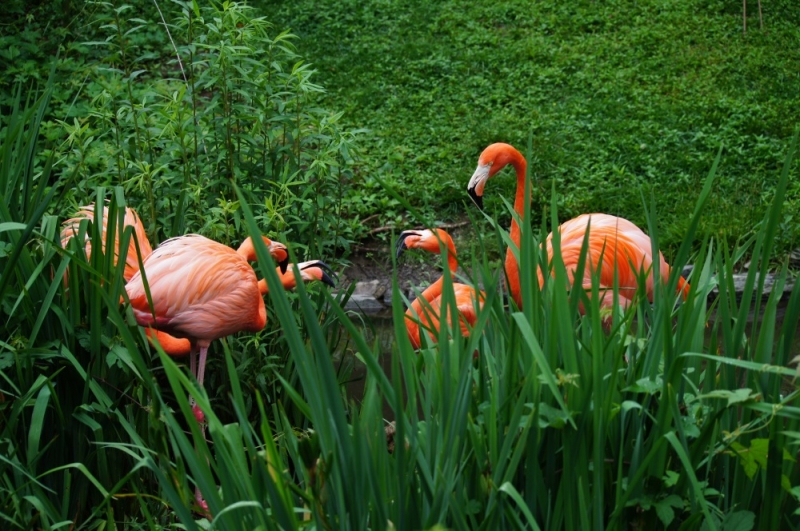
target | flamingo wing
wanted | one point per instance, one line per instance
(200, 289)
(468, 302)
(616, 246)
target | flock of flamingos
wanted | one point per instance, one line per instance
(201, 290)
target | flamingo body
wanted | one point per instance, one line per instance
(425, 312)
(201, 290)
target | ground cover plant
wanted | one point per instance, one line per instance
(620, 97)
(683, 415)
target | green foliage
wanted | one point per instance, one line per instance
(555, 424)
(678, 417)
(620, 96)
(236, 105)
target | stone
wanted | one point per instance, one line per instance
(368, 288)
(794, 258)
(364, 303)
(769, 283)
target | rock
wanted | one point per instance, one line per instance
(380, 291)
(367, 288)
(364, 303)
(769, 282)
(794, 258)
(739, 281)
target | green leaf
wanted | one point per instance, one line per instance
(552, 417)
(733, 397)
(664, 508)
(739, 521)
(645, 385)
(670, 478)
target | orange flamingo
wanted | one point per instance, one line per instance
(71, 227)
(426, 309)
(173, 346)
(615, 244)
(201, 290)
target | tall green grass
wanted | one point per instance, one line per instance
(681, 417)
(549, 428)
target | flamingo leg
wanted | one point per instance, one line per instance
(200, 417)
(201, 371)
(200, 375)
(193, 361)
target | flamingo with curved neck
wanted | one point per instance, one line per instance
(615, 246)
(426, 309)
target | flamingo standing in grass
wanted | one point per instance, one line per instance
(426, 309)
(201, 290)
(131, 219)
(615, 244)
(174, 346)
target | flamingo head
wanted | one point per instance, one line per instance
(277, 250)
(493, 159)
(279, 253)
(427, 240)
(313, 270)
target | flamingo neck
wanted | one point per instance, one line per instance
(512, 266)
(452, 259)
(247, 250)
(263, 289)
(430, 293)
(435, 289)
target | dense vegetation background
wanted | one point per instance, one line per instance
(621, 100)
(318, 122)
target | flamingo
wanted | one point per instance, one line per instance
(173, 346)
(620, 245)
(71, 228)
(201, 290)
(427, 307)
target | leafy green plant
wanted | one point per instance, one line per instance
(237, 105)
(555, 423)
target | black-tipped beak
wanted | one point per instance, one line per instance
(327, 280)
(325, 268)
(283, 264)
(478, 199)
(327, 272)
(401, 243)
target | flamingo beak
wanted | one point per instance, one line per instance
(283, 264)
(477, 182)
(325, 269)
(325, 279)
(401, 242)
(279, 254)
(477, 199)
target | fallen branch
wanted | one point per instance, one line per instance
(442, 226)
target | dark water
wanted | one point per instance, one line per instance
(381, 327)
